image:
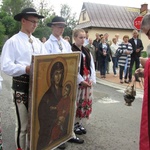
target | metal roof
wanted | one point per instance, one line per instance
(109, 16)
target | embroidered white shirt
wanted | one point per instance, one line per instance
(53, 45)
(17, 53)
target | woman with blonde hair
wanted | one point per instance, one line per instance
(125, 49)
(113, 48)
(86, 79)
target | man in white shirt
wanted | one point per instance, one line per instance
(56, 44)
(137, 46)
(86, 40)
(16, 59)
(119, 41)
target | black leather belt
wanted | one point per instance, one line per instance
(21, 83)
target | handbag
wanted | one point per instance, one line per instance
(109, 58)
(118, 53)
(130, 93)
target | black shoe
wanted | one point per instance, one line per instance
(130, 80)
(82, 129)
(126, 81)
(76, 124)
(62, 146)
(78, 131)
(121, 81)
(76, 140)
(137, 80)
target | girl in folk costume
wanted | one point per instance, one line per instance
(86, 78)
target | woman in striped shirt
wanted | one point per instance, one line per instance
(125, 48)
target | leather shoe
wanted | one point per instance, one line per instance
(76, 140)
(137, 80)
(121, 82)
(126, 81)
(130, 80)
(62, 146)
(82, 129)
(78, 131)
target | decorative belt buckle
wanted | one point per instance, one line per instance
(18, 98)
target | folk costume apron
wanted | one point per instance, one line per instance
(84, 96)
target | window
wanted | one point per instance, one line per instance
(84, 16)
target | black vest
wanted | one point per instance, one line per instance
(88, 58)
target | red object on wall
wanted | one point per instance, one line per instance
(137, 22)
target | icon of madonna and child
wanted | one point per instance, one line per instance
(54, 107)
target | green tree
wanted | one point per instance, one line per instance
(13, 7)
(10, 8)
(70, 19)
(45, 9)
(42, 32)
(9, 24)
(2, 35)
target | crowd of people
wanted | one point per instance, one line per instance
(95, 55)
(106, 50)
(125, 53)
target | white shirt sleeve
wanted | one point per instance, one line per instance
(79, 77)
(17, 54)
(93, 73)
(8, 64)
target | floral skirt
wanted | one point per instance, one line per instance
(84, 102)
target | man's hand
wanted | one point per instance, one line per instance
(137, 50)
(27, 69)
(139, 72)
(127, 52)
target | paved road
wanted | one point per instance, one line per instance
(113, 126)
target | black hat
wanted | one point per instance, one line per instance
(57, 20)
(27, 11)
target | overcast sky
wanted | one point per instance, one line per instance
(76, 5)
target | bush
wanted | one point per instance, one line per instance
(144, 54)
